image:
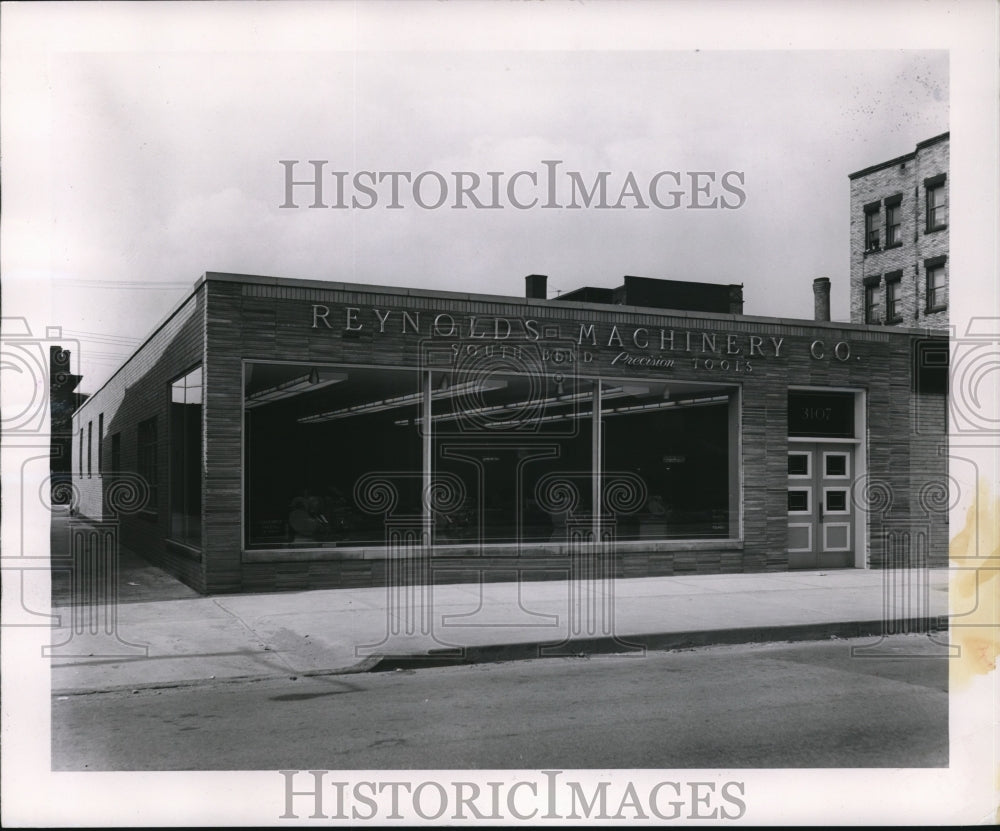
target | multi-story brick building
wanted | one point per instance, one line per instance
(899, 239)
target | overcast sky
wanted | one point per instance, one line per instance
(146, 159)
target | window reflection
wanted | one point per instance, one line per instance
(311, 434)
(677, 443)
(334, 453)
(522, 451)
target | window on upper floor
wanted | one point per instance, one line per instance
(937, 203)
(871, 226)
(937, 284)
(893, 311)
(893, 221)
(872, 301)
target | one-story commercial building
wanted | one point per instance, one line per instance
(278, 433)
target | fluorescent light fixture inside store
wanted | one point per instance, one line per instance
(404, 401)
(610, 392)
(657, 405)
(314, 380)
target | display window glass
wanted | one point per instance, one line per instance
(339, 456)
(667, 461)
(311, 435)
(518, 450)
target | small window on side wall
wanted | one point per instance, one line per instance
(147, 462)
(116, 453)
(184, 454)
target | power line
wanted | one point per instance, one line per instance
(102, 337)
(129, 285)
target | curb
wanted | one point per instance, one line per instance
(571, 648)
(659, 642)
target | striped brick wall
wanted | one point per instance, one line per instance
(272, 321)
(230, 319)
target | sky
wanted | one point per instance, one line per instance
(147, 153)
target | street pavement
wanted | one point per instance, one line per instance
(160, 633)
(814, 704)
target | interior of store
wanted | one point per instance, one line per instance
(334, 454)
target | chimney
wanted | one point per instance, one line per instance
(535, 288)
(821, 294)
(736, 299)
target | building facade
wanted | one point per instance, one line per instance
(286, 434)
(899, 239)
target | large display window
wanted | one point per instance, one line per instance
(669, 470)
(336, 455)
(311, 434)
(519, 452)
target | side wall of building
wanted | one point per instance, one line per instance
(139, 394)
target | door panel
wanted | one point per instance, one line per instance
(820, 515)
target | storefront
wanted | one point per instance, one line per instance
(287, 434)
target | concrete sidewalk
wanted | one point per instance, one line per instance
(210, 639)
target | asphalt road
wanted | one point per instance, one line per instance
(762, 706)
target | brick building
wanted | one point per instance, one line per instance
(63, 401)
(285, 434)
(899, 239)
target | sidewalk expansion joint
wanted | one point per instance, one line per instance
(366, 665)
(266, 647)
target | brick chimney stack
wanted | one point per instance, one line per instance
(736, 299)
(821, 295)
